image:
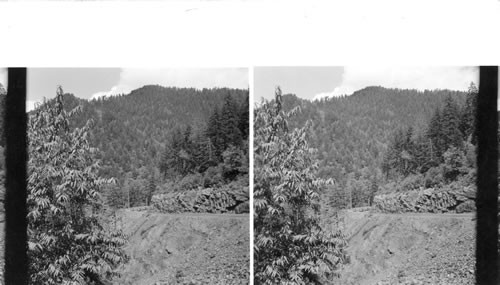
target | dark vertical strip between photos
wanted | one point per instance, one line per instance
(487, 178)
(16, 260)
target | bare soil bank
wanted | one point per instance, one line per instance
(409, 248)
(185, 248)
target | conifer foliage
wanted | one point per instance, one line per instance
(290, 245)
(67, 241)
(444, 148)
(221, 146)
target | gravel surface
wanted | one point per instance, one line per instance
(185, 248)
(409, 249)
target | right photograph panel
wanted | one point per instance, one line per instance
(364, 175)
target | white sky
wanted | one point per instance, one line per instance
(3, 77)
(131, 78)
(305, 82)
(318, 82)
(90, 83)
(421, 78)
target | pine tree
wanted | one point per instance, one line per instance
(373, 189)
(450, 124)
(435, 134)
(422, 154)
(150, 189)
(244, 117)
(214, 134)
(468, 118)
(230, 132)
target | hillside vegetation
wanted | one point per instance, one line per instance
(119, 152)
(381, 140)
(165, 139)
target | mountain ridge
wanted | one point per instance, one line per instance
(131, 130)
(351, 133)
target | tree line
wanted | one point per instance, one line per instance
(133, 131)
(442, 153)
(212, 155)
(206, 152)
(353, 134)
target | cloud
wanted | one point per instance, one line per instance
(3, 77)
(30, 105)
(355, 78)
(131, 79)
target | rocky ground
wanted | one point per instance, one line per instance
(185, 248)
(409, 249)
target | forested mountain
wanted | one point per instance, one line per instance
(133, 132)
(353, 133)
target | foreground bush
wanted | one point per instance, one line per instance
(68, 243)
(290, 246)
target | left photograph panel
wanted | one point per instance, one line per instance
(136, 176)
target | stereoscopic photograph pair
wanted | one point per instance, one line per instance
(299, 175)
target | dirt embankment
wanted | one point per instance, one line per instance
(185, 248)
(409, 248)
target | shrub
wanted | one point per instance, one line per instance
(68, 243)
(212, 177)
(290, 245)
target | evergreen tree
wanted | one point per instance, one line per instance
(422, 154)
(244, 117)
(214, 133)
(229, 119)
(435, 134)
(373, 189)
(468, 118)
(150, 189)
(450, 124)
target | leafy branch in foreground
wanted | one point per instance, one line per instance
(290, 245)
(67, 241)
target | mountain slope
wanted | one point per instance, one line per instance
(352, 133)
(131, 130)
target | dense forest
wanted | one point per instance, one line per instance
(154, 137)
(159, 139)
(381, 139)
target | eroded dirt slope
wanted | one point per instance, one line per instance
(185, 248)
(409, 248)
